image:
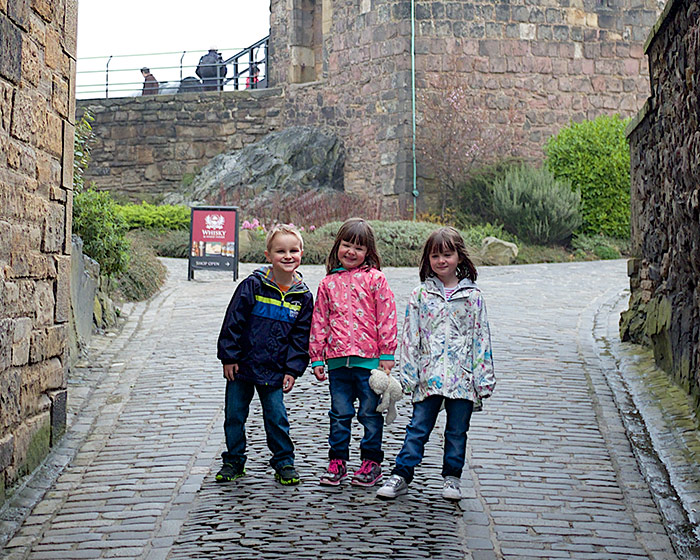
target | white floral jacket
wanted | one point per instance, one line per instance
(446, 344)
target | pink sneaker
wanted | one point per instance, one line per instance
(368, 474)
(336, 472)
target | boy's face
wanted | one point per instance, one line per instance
(285, 253)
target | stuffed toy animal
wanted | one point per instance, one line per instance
(389, 390)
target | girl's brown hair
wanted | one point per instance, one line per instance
(360, 232)
(447, 238)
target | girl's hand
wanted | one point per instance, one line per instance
(320, 372)
(288, 383)
(386, 365)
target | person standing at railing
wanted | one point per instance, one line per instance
(252, 80)
(212, 70)
(150, 84)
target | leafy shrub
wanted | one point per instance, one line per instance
(474, 235)
(150, 216)
(172, 243)
(594, 156)
(311, 207)
(475, 195)
(145, 274)
(535, 206)
(599, 245)
(97, 221)
(82, 142)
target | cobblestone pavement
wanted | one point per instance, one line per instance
(551, 473)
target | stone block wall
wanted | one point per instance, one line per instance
(546, 63)
(665, 200)
(37, 79)
(146, 146)
(362, 92)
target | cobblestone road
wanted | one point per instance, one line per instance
(551, 471)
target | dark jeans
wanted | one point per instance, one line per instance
(239, 394)
(425, 413)
(348, 384)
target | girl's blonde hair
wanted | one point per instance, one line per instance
(360, 232)
(447, 238)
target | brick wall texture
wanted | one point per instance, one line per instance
(345, 65)
(665, 198)
(37, 69)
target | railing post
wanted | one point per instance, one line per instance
(107, 76)
(267, 66)
(183, 56)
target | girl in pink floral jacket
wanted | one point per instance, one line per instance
(353, 330)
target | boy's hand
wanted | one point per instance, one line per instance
(320, 373)
(288, 383)
(386, 365)
(230, 371)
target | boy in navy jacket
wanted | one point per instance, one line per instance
(264, 347)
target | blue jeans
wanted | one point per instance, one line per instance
(425, 413)
(348, 384)
(239, 394)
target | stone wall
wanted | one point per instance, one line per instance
(146, 146)
(546, 63)
(346, 65)
(37, 79)
(665, 200)
(362, 92)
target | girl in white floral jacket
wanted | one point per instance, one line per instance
(445, 359)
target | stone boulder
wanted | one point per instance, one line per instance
(495, 251)
(296, 158)
(85, 278)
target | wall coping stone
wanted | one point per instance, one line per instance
(637, 120)
(669, 9)
(166, 98)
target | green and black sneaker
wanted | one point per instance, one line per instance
(229, 473)
(287, 475)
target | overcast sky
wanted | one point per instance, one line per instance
(147, 27)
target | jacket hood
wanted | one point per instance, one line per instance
(432, 283)
(265, 274)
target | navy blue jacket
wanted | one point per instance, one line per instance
(266, 331)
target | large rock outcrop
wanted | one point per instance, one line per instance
(297, 158)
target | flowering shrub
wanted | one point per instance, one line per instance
(256, 226)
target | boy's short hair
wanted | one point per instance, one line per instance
(283, 228)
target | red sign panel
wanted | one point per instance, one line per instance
(213, 238)
(213, 233)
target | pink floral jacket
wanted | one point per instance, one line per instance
(354, 315)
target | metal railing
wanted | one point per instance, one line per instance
(175, 72)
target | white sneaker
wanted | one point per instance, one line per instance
(450, 488)
(395, 486)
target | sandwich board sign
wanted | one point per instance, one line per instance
(213, 239)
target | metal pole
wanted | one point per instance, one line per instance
(413, 101)
(107, 76)
(183, 56)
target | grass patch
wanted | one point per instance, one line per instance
(145, 274)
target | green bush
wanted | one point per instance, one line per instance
(600, 246)
(594, 156)
(160, 218)
(82, 143)
(102, 229)
(174, 243)
(535, 206)
(475, 195)
(145, 274)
